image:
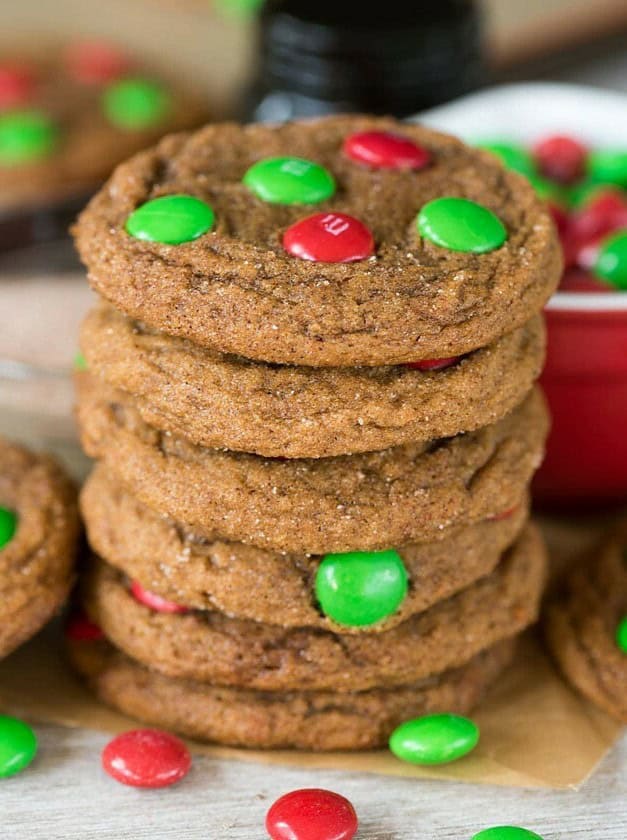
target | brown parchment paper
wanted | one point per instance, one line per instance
(535, 732)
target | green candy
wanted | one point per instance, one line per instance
(621, 634)
(25, 136)
(289, 180)
(80, 363)
(8, 526)
(360, 588)
(171, 220)
(18, 746)
(434, 739)
(506, 832)
(511, 156)
(611, 261)
(461, 225)
(135, 104)
(608, 165)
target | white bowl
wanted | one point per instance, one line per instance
(524, 113)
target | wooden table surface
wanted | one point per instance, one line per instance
(65, 795)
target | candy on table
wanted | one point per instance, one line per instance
(8, 526)
(289, 180)
(171, 220)
(79, 628)
(25, 136)
(385, 150)
(153, 601)
(359, 588)
(329, 238)
(434, 739)
(18, 746)
(146, 758)
(506, 832)
(460, 225)
(96, 62)
(17, 83)
(134, 104)
(621, 634)
(311, 814)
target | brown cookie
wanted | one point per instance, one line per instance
(295, 412)
(236, 288)
(319, 721)
(367, 501)
(581, 623)
(87, 143)
(37, 563)
(212, 647)
(183, 567)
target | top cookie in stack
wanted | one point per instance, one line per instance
(310, 377)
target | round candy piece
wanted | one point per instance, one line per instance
(561, 158)
(16, 85)
(8, 526)
(512, 156)
(360, 588)
(621, 634)
(171, 219)
(311, 814)
(609, 166)
(146, 758)
(18, 746)
(25, 136)
(81, 629)
(329, 238)
(434, 739)
(461, 225)
(153, 601)
(611, 260)
(434, 364)
(135, 104)
(506, 832)
(385, 150)
(96, 62)
(289, 180)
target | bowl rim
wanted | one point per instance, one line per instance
(588, 302)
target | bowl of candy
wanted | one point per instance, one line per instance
(571, 143)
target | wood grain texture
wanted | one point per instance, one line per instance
(65, 795)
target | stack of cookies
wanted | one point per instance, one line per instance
(310, 394)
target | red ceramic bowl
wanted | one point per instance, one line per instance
(585, 381)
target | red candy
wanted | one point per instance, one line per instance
(384, 150)
(94, 62)
(561, 158)
(329, 238)
(80, 629)
(16, 85)
(147, 758)
(604, 213)
(433, 364)
(311, 814)
(154, 601)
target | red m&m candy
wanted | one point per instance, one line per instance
(329, 238)
(16, 85)
(385, 150)
(147, 758)
(80, 629)
(153, 601)
(433, 364)
(561, 158)
(311, 814)
(95, 62)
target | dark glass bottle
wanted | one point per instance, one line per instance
(337, 56)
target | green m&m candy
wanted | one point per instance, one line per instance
(360, 588)
(434, 739)
(171, 219)
(611, 260)
(25, 136)
(506, 832)
(461, 225)
(512, 156)
(135, 104)
(290, 180)
(18, 746)
(621, 634)
(8, 526)
(609, 166)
